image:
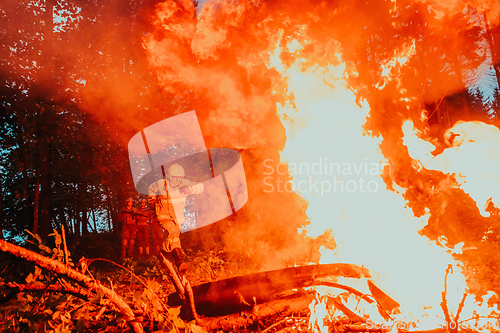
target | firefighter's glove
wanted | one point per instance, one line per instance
(186, 190)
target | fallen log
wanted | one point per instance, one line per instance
(224, 297)
(283, 307)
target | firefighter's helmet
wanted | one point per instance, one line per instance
(143, 200)
(175, 170)
(130, 199)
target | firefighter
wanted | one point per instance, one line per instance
(127, 217)
(143, 220)
(169, 198)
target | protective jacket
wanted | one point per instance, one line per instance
(127, 216)
(170, 202)
(143, 216)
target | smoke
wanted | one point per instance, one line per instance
(85, 54)
(217, 62)
(222, 56)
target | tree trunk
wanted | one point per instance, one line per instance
(45, 87)
(495, 57)
(108, 213)
(1, 211)
(64, 223)
(83, 207)
(111, 217)
(94, 219)
(37, 189)
(78, 217)
(24, 174)
(45, 209)
(462, 88)
(82, 193)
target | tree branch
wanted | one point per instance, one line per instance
(52, 288)
(444, 303)
(60, 268)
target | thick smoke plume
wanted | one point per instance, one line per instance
(217, 63)
(404, 58)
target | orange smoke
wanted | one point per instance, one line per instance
(336, 86)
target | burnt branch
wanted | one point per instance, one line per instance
(167, 265)
(66, 255)
(60, 268)
(460, 307)
(284, 321)
(135, 276)
(358, 328)
(31, 287)
(346, 288)
(345, 310)
(190, 295)
(444, 303)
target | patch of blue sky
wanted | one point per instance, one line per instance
(64, 17)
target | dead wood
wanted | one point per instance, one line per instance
(164, 306)
(167, 265)
(66, 255)
(386, 306)
(346, 288)
(437, 330)
(219, 298)
(288, 330)
(31, 287)
(460, 307)
(284, 307)
(444, 303)
(60, 268)
(345, 310)
(283, 321)
(183, 288)
(190, 297)
(358, 328)
(451, 323)
(366, 328)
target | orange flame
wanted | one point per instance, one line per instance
(397, 61)
(471, 160)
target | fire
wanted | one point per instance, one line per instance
(383, 235)
(397, 61)
(468, 141)
(372, 174)
(318, 314)
(372, 225)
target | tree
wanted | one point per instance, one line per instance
(46, 93)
